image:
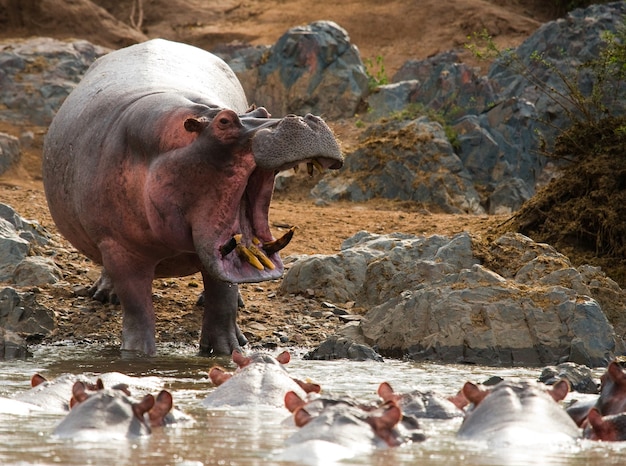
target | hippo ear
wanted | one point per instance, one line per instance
(240, 359)
(196, 125)
(145, 405)
(301, 417)
(293, 401)
(385, 392)
(559, 390)
(474, 393)
(283, 357)
(616, 373)
(383, 424)
(37, 379)
(78, 393)
(162, 406)
(218, 375)
(308, 387)
(601, 428)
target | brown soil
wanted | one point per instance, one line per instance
(395, 30)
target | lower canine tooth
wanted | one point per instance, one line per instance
(318, 165)
(247, 255)
(309, 168)
(262, 257)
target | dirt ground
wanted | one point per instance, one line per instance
(395, 30)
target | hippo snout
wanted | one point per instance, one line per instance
(296, 139)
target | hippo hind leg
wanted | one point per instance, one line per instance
(220, 333)
(103, 290)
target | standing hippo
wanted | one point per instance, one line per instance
(156, 166)
(518, 413)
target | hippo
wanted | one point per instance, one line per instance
(112, 414)
(156, 166)
(333, 430)
(612, 399)
(421, 404)
(610, 428)
(518, 414)
(260, 380)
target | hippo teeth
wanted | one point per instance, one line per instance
(272, 247)
(250, 254)
(316, 164)
(256, 254)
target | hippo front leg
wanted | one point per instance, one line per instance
(220, 333)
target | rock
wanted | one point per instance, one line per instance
(13, 250)
(579, 377)
(9, 152)
(22, 314)
(37, 74)
(12, 346)
(310, 69)
(431, 298)
(336, 347)
(17, 238)
(36, 270)
(405, 160)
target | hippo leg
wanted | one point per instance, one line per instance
(220, 333)
(103, 290)
(132, 278)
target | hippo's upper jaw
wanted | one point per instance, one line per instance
(248, 252)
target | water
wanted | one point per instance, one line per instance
(253, 436)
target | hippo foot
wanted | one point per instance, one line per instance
(223, 344)
(103, 290)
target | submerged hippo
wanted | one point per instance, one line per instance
(519, 414)
(334, 429)
(110, 413)
(260, 379)
(156, 166)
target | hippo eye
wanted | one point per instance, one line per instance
(224, 121)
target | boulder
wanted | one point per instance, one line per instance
(310, 69)
(434, 298)
(12, 346)
(9, 152)
(36, 75)
(22, 314)
(337, 347)
(409, 160)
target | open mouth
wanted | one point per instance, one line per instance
(249, 252)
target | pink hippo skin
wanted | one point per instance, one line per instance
(156, 166)
(518, 414)
(607, 419)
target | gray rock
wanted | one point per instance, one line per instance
(337, 347)
(431, 298)
(310, 69)
(13, 249)
(404, 160)
(12, 346)
(22, 314)
(36, 270)
(9, 152)
(37, 74)
(579, 377)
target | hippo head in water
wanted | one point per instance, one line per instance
(156, 166)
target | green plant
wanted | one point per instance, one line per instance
(376, 74)
(607, 73)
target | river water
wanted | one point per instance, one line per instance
(254, 436)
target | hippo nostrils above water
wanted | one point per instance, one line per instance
(156, 166)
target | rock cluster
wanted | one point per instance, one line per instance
(436, 298)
